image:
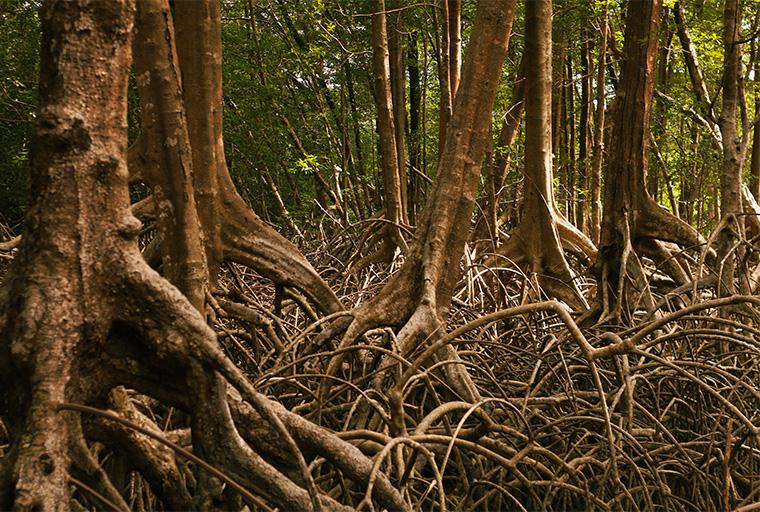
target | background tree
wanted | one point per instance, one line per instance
(418, 296)
(535, 243)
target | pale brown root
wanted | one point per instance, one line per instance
(665, 256)
(153, 460)
(11, 244)
(85, 468)
(575, 241)
(319, 442)
(657, 223)
(545, 259)
(424, 328)
(250, 242)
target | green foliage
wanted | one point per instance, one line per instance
(290, 122)
(19, 69)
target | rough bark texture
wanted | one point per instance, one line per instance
(418, 296)
(734, 149)
(584, 138)
(84, 313)
(446, 100)
(415, 145)
(535, 243)
(633, 221)
(58, 285)
(598, 151)
(455, 45)
(164, 147)
(397, 58)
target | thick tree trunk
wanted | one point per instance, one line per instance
(168, 165)
(232, 231)
(200, 58)
(734, 149)
(418, 296)
(76, 229)
(632, 220)
(536, 242)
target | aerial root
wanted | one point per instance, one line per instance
(85, 468)
(155, 461)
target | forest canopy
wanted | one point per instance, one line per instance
(379, 255)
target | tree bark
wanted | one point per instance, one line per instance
(168, 164)
(692, 63)
(536, 242)
(76, 225)
(455, 45)
(232, 231)
(418, 296)
(389, 151)
(633, 221)
(754, 173)
(584, 138)
(397, 59)
(598, 151)
(734, 149)
(415, 146)
(446, 100)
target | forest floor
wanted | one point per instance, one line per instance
(671, 423)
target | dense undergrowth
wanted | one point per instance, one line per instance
(670, 425)
(666, 419)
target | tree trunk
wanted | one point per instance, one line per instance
(632, 220)
(692, 63)
(536, 242)
(389, 159)
(488, 225)
(734, 149)
(444, 77)
(598, 152)
(569, 136)
(584, 139)
(415, 146)
(455, 45)
(168, 166)
(754, 173)
(397, 59)
(76, 230)
(417, 297)
(232, 231)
